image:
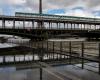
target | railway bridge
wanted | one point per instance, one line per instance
(28, 25)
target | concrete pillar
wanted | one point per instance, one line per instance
(99, 59)
(70, 52)
(94, 26)
(60, 50)
(78, 26)
(82, 55)
(13, 24)
(64, 25)
(32, 24)
(57, 25)
(41, 71)
(84, 26)
(67, 25)
(74, 26)
(81, 27)
(23, 24)
(49, 25)
(71, 25)
(3, 23)
(53, 49)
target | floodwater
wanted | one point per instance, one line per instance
(68, 39)
(68, 72)
(12, 73)
(5, 45)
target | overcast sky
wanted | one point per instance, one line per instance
(84, 8)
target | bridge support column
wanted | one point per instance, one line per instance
(99, 59)
(94, 27)
(89, 26)
(40, 25)
(83, 26)
(3, 23)
(42, 52)
(64, 25)
(57, 25)
(86, 26)
(47, 49)
(82, 55)
(71, 27)
(4, 59)
(74, 26)
(70, 53)
(24, 24)
(53, 49)
(32, 24)
(51, 25)
(14, 58)
(13, 24)
(60, 50)
(67, 26)
(78, 26)
(33, 54)
(41, 72)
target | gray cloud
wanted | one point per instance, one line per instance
(92, 3)
(32, 5)
(62, 4)
(47, 4)
(50, 4)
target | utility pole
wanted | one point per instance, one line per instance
(40, 23)
(40, 6)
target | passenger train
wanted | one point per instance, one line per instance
(49, 16)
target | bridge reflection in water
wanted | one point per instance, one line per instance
(52, 53)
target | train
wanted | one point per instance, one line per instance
(21, 14)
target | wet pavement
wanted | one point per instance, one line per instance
(59, 73)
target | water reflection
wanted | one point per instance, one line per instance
(7, 69)
(6, 45)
